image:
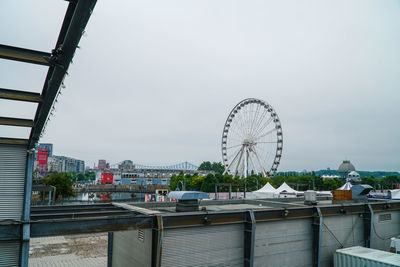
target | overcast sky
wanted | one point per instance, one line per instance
(154, 81)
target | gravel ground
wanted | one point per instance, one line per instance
(72, 250)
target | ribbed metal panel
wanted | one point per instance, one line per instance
(203, 246)
(132, 248)
(9, 253)
(12, 177)
(284, 243)
(365, 257)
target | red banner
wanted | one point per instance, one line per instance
(42, 157)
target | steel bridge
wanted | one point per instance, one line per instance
(183, 166)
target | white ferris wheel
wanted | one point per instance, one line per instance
(252, 139)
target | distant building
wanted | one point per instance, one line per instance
(102, 164)
(65, 164)
(327, 176)
(126, 165)
(345, 168)
(353, 177)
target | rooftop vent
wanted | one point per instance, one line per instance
(187, 200)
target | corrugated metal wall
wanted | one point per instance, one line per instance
(385, 227)
(205, 246)
(283, 243)
(132, 248)
(277, 243)
(9, 253)
(346, 230)
(12, 181)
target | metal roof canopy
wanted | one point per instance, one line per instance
(58, 61)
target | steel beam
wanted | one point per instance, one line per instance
(157, 238)
(317, 225)
(107, 223)
(74, 24)
(110, 248)
(27, 210)
(78, 214)
(16, 122)
(13, 141)
(249, 239)
(10, 231)
(368, 226)
(20, 95)
(24, 55)
(91, 225)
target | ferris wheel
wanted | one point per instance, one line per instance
(252, 139)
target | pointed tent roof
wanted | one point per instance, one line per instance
(285, 187)
(267, 188)
(346, 186)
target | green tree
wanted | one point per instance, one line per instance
(205, 166)
(90, 176)
(81, 177)
(217, 167)
(208, 184)
(62, 182)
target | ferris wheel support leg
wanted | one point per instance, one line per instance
(245, 169)
(240, 159)
(259, 162)
(230, 165)
(252, 163)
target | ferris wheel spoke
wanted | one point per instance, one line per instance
(253, 119)
(238, 140)
(263, 126)
(265, 134)
(272, 142)
(229, 155)
(266, 152)
(256, 119)
(238, 134)
(234, 146)
(260, 126)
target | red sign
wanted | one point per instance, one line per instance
(107, 178)
(42, 157)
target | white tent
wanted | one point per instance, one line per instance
(284, 188)
(346, 186)
(267, 191)
(395, 194)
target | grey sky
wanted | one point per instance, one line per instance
(155, 80)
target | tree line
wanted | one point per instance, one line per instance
(254, 182)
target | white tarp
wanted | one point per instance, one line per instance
(346, 186)
(395, 194)
(284, 188)
(267, 191)
(266, 188)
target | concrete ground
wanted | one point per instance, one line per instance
(73, 250)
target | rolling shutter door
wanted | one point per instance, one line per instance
(12, 181)
(9, 253)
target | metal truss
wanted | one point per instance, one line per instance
(184, 166)
(58, 61)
